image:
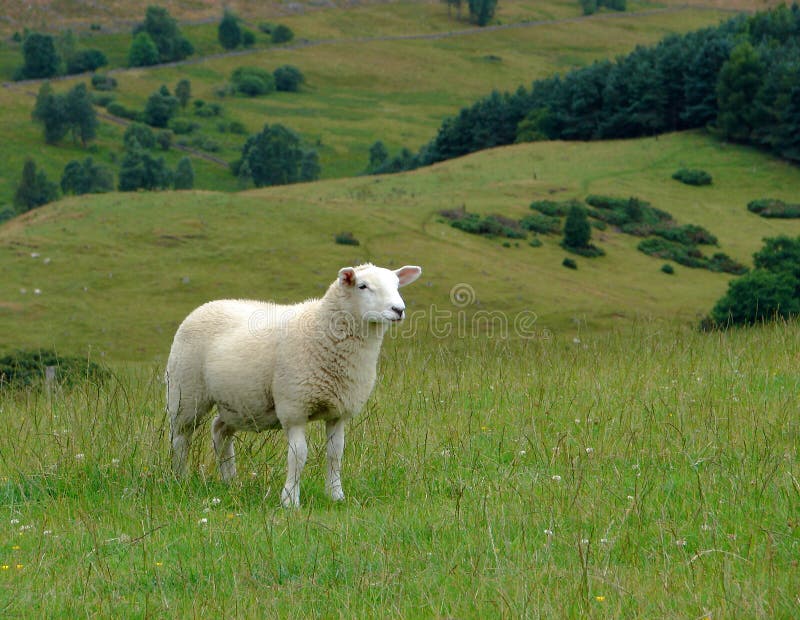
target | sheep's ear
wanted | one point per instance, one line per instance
(408, 274)
(347, 276)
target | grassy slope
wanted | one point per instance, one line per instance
(132, 251)
(357, 92)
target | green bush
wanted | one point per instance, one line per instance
(689, 256)
(535, 242)
(758, 296)
(252, 81)
(101, 81)
(346, 238)
(86, 60)
(691, 176)
(7, 212)
(102, 99)
(553, 208)
(688, 234)
(28, 368)
(667, 268)
(182, 126)
(489, 226)
(772, 207)
(569, 263)
(282, 34)
(288, 78)
(117, 109)
(540, 223)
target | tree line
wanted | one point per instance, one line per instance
(739, 79)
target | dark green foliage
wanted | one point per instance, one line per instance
(668, 269)
(164, 32)
(691, 176)
(184, 174)
(86, 60)
(540, 223)
(780, 254)
(252, 81)
(40, 57)
(143, 52)
(688, 234)
(489, 226)
(51, 111)
(81, 117)
(160, 108)
(577, 231)
(28, 368)
(7, 212)
(673, 85)
(102, 99)
(288, 78)
(758, 296)
(139, 134)
(404, 160)
(101, 81)
(346, 238)
(310, 168)
(553, 208)
(86, 178)
(589, 7)
(377, 156)
(182, 126)
(689, 256)
(248, 38)
(771, 207)
(273, 157)
(481, 12)
(266, 27)
(140, 170)
(569, 263)
(229, 33)
(183, 91)
(535, 242)
(34, 188)
(117, 109)
(164, 140)
(282, 34)
(207, 111)
(633, 215)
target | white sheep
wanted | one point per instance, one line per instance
(266, 365)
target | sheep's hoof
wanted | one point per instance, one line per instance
(290, 498)
(337, 495)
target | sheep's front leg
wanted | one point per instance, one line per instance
(296, 460)
(334, 429)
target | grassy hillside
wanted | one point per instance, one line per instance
(357, 91)
(125, 269)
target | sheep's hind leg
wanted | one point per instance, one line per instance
(296, 460)
(222, 438)
(180, 442)
(334, 430)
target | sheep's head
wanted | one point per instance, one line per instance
(372, 292)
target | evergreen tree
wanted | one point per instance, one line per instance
(160, 108)
(183, 91)
(86, 178)
(81, 115)
(273, 157)
(288, 78)
(164, 32)
(481, 12)
(41, 60)
(143, 52)
(140, 170)
(738, 84)
(377, 155)
(34, 188)
(229, 33)
(50, 110)
(577, 230)
(282, 34)
(184, 174)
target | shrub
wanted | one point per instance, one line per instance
(237, 128)
(569, 263)
(266, 27)
(282, 34)
(288, 78)
(346, 238)
(252, 81)
(117, 109)
(207, 111)
(688, 234)
(553, 208)
(139, 134)
(229, 33)
(772, 207)
(6, 213)
(86, 60)
(164, 140)
(248, 38)
(100, 81)
(161, 106)
(102, 99)
(489, 226)
(667, 268)
(182, 126)
(143, 52)
(544, 224)
(758, 296)
(589, 251)
(689, 256)
(34, 189)
(28, 368)
(86, 178)
(691, 176)
(535, 242)
(184, 174)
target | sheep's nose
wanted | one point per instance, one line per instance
(399, 311)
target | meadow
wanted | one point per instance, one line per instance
(647, 472)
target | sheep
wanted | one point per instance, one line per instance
(270, 366)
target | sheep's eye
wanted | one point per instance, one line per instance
(362, 286)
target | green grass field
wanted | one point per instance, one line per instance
(648, 472)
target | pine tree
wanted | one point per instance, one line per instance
(183, 91)
(577, 230)
(738, 84)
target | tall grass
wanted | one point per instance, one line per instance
(648, 472)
